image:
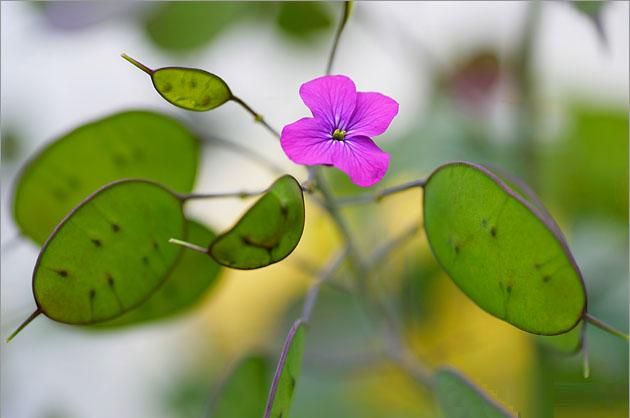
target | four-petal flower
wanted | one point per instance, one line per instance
(340, 131)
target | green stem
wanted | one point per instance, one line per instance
(379, 195)
(188, 245)
(347, 9)
(241, 194)
(24, 324)
(257, 116)
(604, 326)
(138, 64)
(326, 274)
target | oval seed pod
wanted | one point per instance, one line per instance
(501, 250)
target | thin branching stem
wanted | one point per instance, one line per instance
(257, 116)
(604, 326)
(241, 194)
(342, 24)
(381, 194)
(324, 275)
(381, 252)
(244, 151)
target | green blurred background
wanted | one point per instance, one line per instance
(540, 90)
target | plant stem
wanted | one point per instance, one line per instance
(604, 326)
(388, 247)
(188, 245)
(342, 24)
(138, 64)
(241, 194)
(24, 324)
(257, 116)
(379, 195)
(326, 274)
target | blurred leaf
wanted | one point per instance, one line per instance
(593, 11)
(302, 20)
(135, 144)
(109, 254)
(268, 232)
(183, 26)
(567, 343)
(500, 251)
(192, 277)
(460, 398)
(11, 146)
(244, 392)
(287, 373)
(586, 172)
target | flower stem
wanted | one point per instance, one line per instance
(379, 195)
(347, 9)
(257, 116)
(604, 326)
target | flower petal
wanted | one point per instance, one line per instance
(332, 98)
(361, 159)
(372, 115)
(307, 141)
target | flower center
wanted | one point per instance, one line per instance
(339, 135)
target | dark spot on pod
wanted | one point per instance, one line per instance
(167, 87)
(92, 294)
(205, 100)
(292, 382)
(119, 160)
(138, 155)
(284, 210)
(73, 182)
(493, 231)
(115, 227)
(59, 194)
(110, 280)
(537, 266)
(97, 242)
(156, 246)
(484, 222)
(193, 84)
(145, 260)
(456, 248)
(509, 288)
(62, 273)
(546, 278)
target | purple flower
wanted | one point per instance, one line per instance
(339, 132)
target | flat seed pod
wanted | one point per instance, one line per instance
(134, 144)
(188, 88)
(459, 398)
(109, 254)
(287, 373)
(568, 343)
(244, 392)
(268, 232)
(189, 281)
(501, 250)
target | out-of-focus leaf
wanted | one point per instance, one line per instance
(268, 232)
(460, 398)
(109, 254)
(586, 172)
(302, 20)
(11, 146)
(185, 286)
(287, 373)
(183, 26)
(501, 251)
(135, 144)
(592, 9)
(244, 392)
